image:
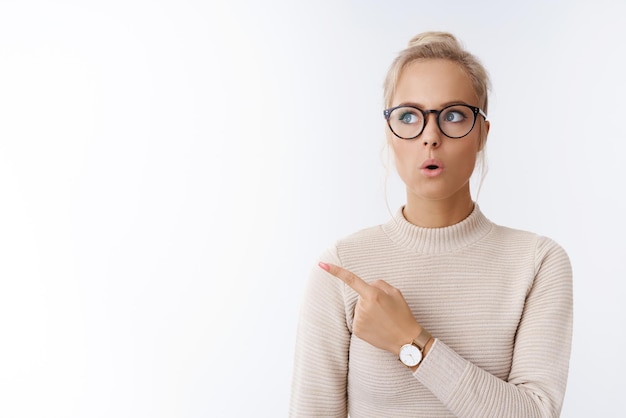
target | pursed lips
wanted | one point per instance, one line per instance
(431, 167)
(431, 164)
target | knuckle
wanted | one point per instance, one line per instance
(378, 283)
(376, 295)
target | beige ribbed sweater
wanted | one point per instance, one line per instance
(497, 300)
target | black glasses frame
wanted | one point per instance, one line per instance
(475, 110)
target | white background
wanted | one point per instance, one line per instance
(170, 170)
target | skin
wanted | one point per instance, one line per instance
(382, 317)
(444, 200)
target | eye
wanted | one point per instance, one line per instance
(453, 116)
(408, 117)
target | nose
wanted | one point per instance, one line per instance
(431, 136)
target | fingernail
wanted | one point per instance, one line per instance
(324, 266)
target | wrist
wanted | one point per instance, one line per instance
(428, 345)
(412, 353)
(427, 348)
(408, 337)
(422, 338)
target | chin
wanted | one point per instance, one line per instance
(435, 193)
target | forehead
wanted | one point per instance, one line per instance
(432, 83)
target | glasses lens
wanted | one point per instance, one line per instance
(456, 121)
(406, 122)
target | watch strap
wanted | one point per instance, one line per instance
(422, 339)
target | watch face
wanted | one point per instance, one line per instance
(410, 355)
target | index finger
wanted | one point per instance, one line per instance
(355, 282)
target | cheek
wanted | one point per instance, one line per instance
(466, 158)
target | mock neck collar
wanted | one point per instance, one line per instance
(438, 240)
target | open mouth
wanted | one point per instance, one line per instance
(432, 167)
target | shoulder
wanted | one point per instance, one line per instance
(357, 251)
(363, 236)
(542, 247)
(540, 242)
(362, 241)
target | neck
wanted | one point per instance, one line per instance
(438, 213)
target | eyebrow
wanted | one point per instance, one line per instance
(454, 102)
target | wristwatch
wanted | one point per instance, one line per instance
(411, 354)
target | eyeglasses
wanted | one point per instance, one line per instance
(454, 121)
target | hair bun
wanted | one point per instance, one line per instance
(427, 38)
(437, 45)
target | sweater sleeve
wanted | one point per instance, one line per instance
(319, 381)
(538, 376)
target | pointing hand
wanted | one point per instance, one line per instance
(381, 316)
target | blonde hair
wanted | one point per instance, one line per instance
(443, 45)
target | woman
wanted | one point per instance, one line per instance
(438, 312)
